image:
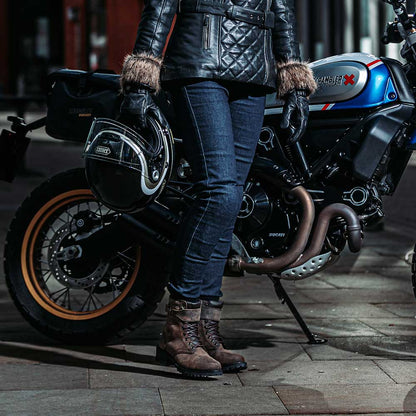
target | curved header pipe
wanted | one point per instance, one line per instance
(269, 265)
(330, 212)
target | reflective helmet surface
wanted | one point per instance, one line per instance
(127, 169)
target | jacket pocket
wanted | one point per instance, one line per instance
(206, 31)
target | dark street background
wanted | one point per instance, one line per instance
(38, 37)
(364, 305)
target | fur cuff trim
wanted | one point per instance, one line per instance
(294, 74)
(141, 67)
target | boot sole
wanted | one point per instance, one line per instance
(234, 367)
(165, 358)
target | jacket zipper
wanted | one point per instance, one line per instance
(266, 52)
(267, 33)
(206, 31)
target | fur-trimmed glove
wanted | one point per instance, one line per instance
(295, 115)
(139, 80)
(295, 83)
(136, 106)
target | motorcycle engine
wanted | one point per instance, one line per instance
(267, 223)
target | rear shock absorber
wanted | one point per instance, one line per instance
(297, 158)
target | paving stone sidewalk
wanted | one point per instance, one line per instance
(364, 305)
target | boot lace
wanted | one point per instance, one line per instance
(191, 334)
(212, 332)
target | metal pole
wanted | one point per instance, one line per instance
(303, 23)
(382, 20)
(315, 29)
(357, 25)
(88, 33)
(337, 22)
(325, 37)
(311, 29)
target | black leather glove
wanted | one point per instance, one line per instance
(137, 104)
(295, 115)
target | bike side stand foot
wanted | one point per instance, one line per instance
(285, 298)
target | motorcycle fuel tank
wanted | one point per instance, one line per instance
(338, 80)
(350, 80)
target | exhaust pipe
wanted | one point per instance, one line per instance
(330, 212)
(270, 265)
(160, 218)
(121, 234)
(142, 233)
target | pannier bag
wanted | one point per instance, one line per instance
(75, 98)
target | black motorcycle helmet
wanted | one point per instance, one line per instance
(127, 169)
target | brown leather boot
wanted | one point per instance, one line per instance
(212, 341)
(180, 343)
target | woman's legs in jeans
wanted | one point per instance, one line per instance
(220, 126)
(247, 113)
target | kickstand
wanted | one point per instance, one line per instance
(285, 298)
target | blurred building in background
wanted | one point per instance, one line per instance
(330, 27)
(38, 37)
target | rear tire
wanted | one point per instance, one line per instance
(29, 278)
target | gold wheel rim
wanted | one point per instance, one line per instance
(28, 267)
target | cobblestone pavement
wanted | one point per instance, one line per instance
(364, 305)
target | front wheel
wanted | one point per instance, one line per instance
(68, 296)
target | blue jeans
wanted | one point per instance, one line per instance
(220, 123)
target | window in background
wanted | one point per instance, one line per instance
(36, 38)
(319, 44)
(97, 29)
(365, 38)
(349, 26)
(329, 27)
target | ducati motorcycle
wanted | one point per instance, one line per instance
(82, 272)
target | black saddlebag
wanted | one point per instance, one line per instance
(75, 98)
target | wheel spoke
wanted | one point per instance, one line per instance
(98, 300)
(114, 288)
(126, 259)
(92, 300)
(69, 299)
(70, 216)
(101, 211)
(46, 280)
(53, 229)
(40, 269)
(59, 291)
(86, 300)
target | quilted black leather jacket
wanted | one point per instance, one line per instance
(210, 45)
